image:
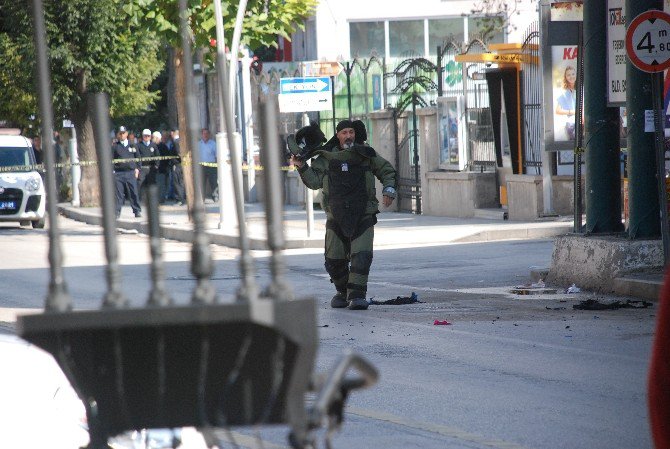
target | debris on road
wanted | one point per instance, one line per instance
(399, 300)
(532, 289)
(441, 323)
(573, 289)
(594, 304)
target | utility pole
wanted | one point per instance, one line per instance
(643, 203)
(601, 129)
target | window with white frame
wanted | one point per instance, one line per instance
(406, 37)
(394, 38)
(440, 30)
(367, 38)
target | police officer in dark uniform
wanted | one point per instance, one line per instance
(148, 168)
(345, 170)
(126, 172)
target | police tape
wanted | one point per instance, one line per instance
(40, 167)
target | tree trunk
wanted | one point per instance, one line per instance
(89, 186)
(184, 147)
(173, 116)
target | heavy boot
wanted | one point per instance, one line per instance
(339, 301)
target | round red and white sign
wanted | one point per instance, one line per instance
(648, 41)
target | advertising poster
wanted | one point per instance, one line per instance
(563, 77)
(449, 132)
(616, 53)
(376, 92)
(561, 22)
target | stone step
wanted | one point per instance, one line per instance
(491, 214)
(649, 289)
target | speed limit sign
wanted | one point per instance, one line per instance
(648, 41)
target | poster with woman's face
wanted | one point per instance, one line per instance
(448, 131)
(563, 78)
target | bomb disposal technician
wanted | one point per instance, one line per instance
(345, 171)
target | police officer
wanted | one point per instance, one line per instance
(345, 171)
(126, 172)
(148, 168)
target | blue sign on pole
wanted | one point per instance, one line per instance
(304, 85)
(305, 94)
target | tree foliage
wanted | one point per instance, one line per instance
(494, 16)
(264, 20)
(93, 48)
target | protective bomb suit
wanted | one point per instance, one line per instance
(347, 179)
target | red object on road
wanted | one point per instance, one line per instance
(659, 373)
(441, 323)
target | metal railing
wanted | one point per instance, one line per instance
(206, 364)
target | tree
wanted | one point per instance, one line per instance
(494, 16)
(93, 48)
(264, 21)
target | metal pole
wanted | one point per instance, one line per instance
(75, 169)
(227, 212)
(248, 290)
(248, 127)
(659, 144)
(602, 192)
(439, 71)
(278, 289)
(309, 193)
(348, 73)
(57, 300)
(415, 137)
(234, 50)
(158, 296)
(577, 158)
(232, 80)
(332, 82)
(643, 197)
(202, 266)
(99, 105)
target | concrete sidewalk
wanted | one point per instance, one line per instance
(393, 229)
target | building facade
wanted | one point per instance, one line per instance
(345, 29)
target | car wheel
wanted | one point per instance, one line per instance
(24, 223)
(39, 224)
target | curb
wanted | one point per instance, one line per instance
(185, 233)
(638, 288)
(515, 234)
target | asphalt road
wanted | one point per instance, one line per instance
(510, 371)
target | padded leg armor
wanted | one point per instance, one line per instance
(338, 269)
(361, 259)
(340, 250)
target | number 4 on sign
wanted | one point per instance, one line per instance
(645, 43)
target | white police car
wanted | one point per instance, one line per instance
(22, 193)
